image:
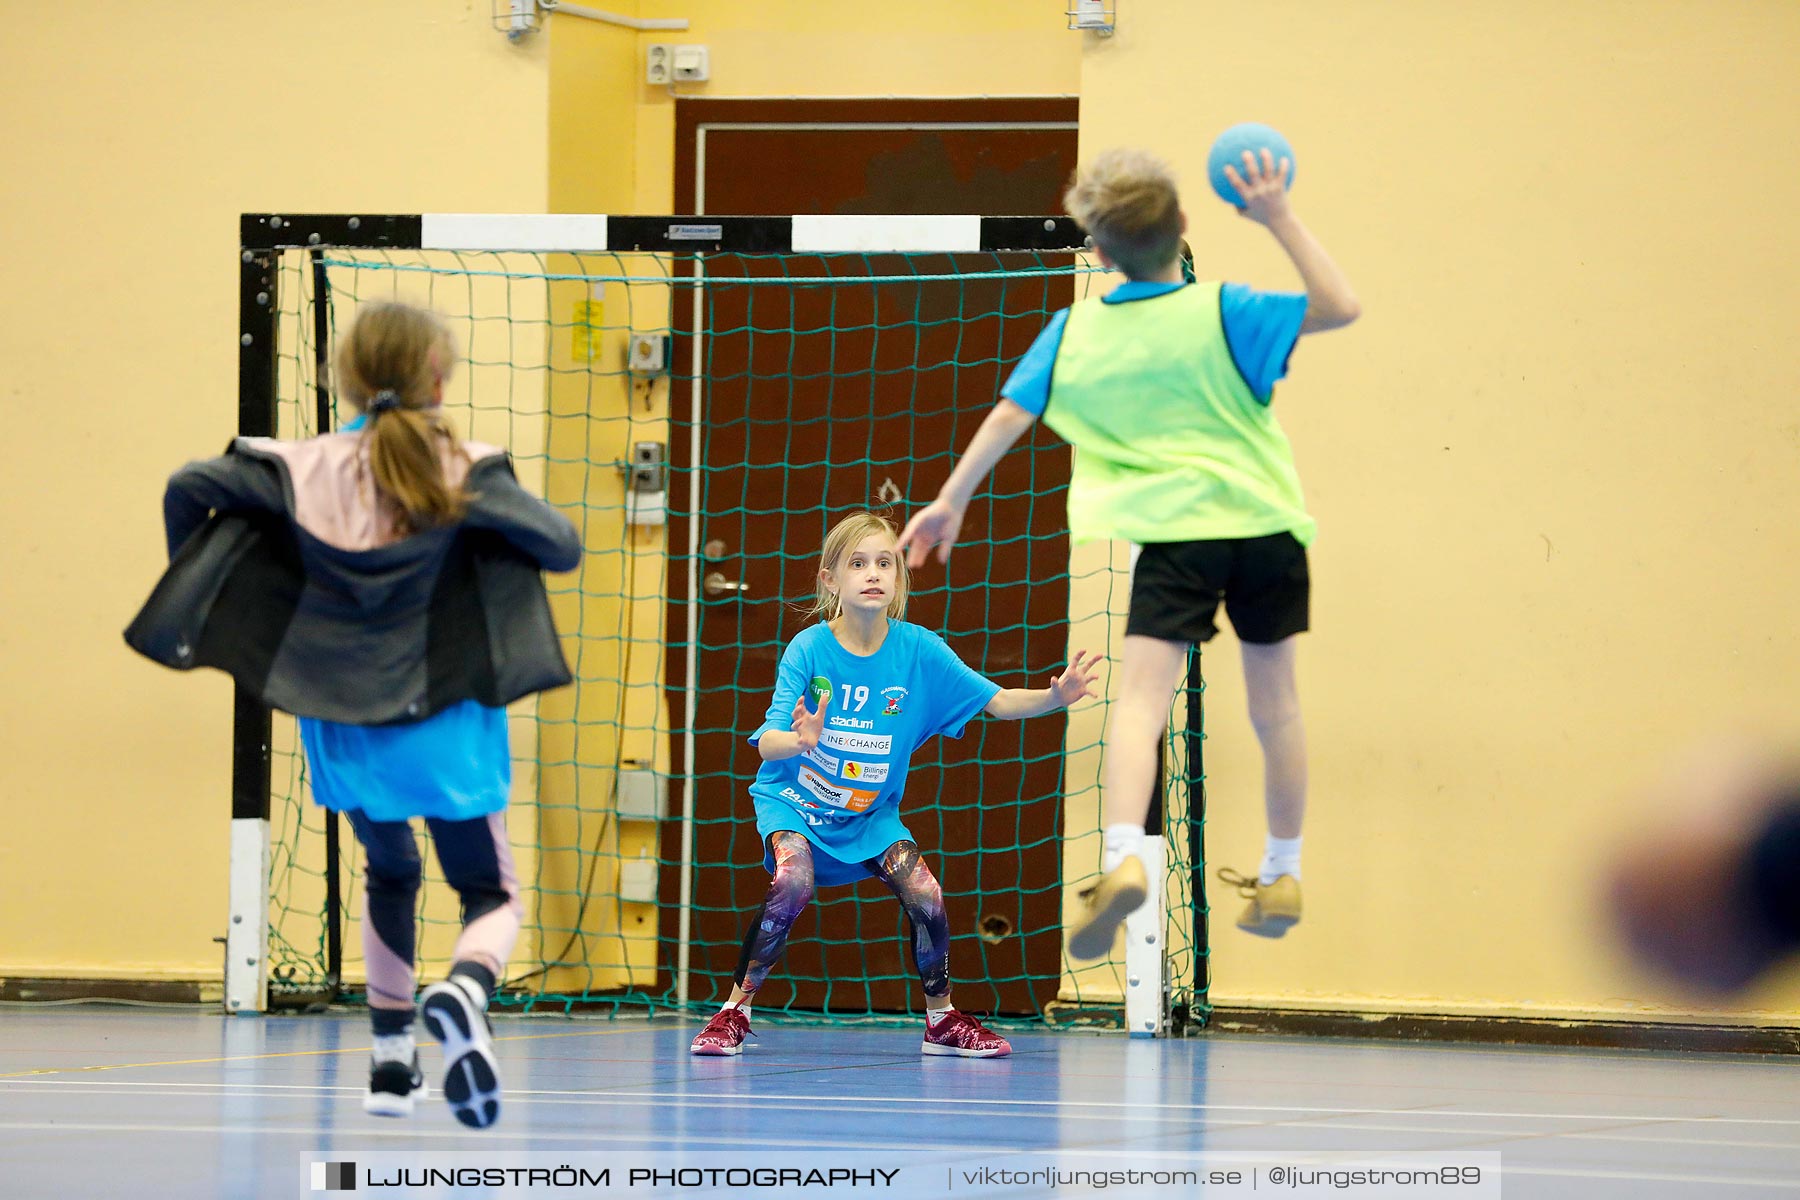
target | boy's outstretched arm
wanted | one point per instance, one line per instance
(1330, 303)
(1075, 683)
(939, 523)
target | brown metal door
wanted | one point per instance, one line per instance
(818, 399)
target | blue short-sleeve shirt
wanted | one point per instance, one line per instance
(844, 795)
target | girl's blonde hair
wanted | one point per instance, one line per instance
(389, 365)
(1127, 202)
(842, 539)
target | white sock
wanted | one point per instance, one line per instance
(934, 1015)
(394, 1047)
(1281, 856)
(743, 1004)
(1122, 841)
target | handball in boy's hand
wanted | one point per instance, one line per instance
(1228, 151)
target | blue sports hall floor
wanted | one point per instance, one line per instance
(129, 1101)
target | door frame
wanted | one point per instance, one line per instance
(694, 119)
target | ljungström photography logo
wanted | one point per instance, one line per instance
(334, 1177)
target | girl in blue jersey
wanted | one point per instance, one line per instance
(828, 794)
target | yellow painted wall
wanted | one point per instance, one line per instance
(1555, 466)
(134, 136)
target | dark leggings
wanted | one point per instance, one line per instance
(477, 863)
(900, 869)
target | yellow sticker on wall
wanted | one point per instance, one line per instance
(587, 322)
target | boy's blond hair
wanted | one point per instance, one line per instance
(842, 539)
(1126, 200)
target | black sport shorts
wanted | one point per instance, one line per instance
(1177, 586)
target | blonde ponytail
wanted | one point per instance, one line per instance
(389, 366)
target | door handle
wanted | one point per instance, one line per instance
(717, 585)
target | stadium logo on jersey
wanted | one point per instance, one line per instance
(867, 772)
(895, 697)
(849, 723)
(857, 743)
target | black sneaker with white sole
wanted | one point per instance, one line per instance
(456, 1013)
(394, 1087)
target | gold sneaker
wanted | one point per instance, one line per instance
(1274, 908)
(1117, 895)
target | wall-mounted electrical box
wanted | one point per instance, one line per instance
(647, 485)
(637, 880)
(647, 353)
(648, 468)
(643, 795)
(690, 64)
(669, 62)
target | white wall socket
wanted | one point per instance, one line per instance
(659, 63)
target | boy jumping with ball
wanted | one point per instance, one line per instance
(1164, 388)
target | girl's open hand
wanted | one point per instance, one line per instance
(809, 725)
(1076, 681)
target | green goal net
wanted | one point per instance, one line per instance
(703, 418)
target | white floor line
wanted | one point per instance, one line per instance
(715, 1100)
(402, 1131)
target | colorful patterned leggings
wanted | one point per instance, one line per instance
(900, 868)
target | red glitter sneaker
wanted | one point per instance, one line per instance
(724, 1034)
(964, 1036)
